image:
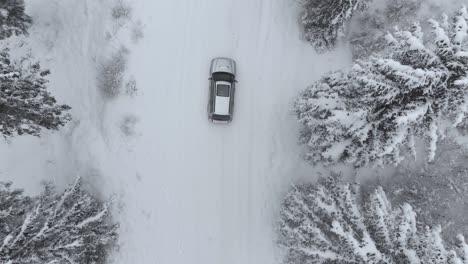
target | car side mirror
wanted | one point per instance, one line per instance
(210, 78)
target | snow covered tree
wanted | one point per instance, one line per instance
(437, 191)
(25, 104)
(71, 227)
(13, 206)
(329, 223)
(368, 28)
(13, 20)
(325, 22)
(377, 110)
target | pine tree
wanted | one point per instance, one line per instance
(71, 227)
(437, 190)
(327, 223)
(368, 28)
(13, 20)
(25, 104)
(13, 206)
(375, 111)
(325, 22)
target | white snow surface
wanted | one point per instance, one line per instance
(190, 191)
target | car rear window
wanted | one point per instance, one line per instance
(222, 90)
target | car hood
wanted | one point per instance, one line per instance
(223, 65)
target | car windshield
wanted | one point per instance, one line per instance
(223, 76)
(222, 90)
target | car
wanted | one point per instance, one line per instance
(222, 90)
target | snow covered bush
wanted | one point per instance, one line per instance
(110, 78)
(376, 111)
(131, 88)
(137, 32)
(121, 10)
(13, 20)
(25, 104)
(71, 227)
(329, 223)
(325, 22)
(128, 125)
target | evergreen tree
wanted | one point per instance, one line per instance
(378, 109)
(13, 20)
(327, 223)
(368, 28)
(25, 104)
(71, 227)
(437, 190)
(325, 22)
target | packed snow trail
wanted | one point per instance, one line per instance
(191, 191)
(208, 193)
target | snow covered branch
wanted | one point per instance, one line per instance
(325, 21)
(13, 19)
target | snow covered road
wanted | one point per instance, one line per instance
(192, 191)
(208, 191)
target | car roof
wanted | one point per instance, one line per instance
(221, 103)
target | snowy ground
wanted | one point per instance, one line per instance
(192, 191)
